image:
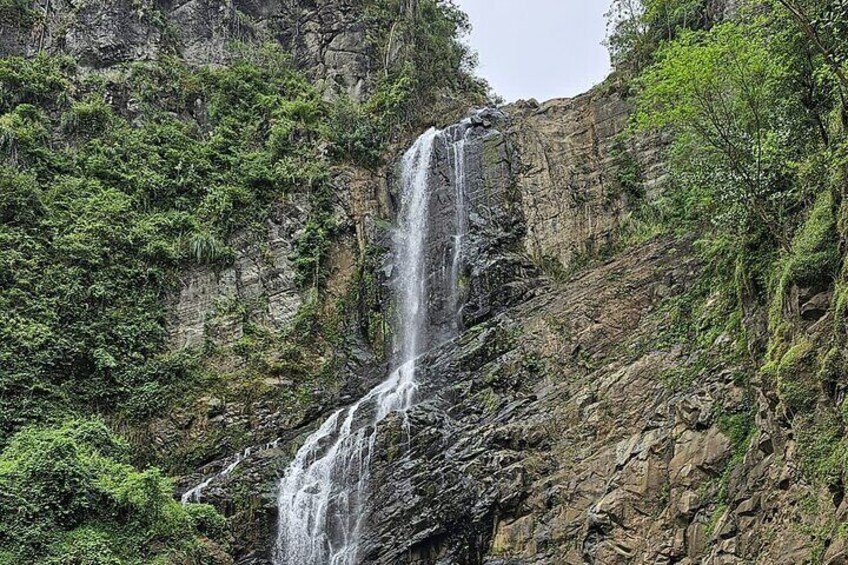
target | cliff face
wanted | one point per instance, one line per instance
(567, 423)
(542, 184)
(572, 422)
(326, 38)
(563, 161)
(571, 162)
(556, 428)
(542, 187)
(572, 428)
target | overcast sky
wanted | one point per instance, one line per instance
(539, 48)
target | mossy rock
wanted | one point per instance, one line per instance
(822, 449)
(795, 377)
(813, 260)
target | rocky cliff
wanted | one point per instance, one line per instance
(574, 419)
(544, 192)
(571, 170)
(574, 428)
(325, 38)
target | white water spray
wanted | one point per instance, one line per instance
(322, 499)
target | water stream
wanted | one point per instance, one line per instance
(459, 176)
(195, 493)
(323, 496)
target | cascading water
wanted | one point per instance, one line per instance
(195, 493)
(458, 154)
(322, 499)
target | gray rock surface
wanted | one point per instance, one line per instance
(326, 38)
(506, 191)
(211, 304)
(561, 426)
(558, 428)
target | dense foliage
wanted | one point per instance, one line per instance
(68, 495)
(756, 101)
(638, 28)
(418, 44)
(735, 131)
(103, 206)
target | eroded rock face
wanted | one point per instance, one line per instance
(211, 303)
(550, 433)
(556, 428)
(551, 430)
(524, 451)
(553, 433)
(570, 172)
(498, 275)
(326, 38)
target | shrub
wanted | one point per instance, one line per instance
(16, 12)
(795, 377)
(68, 492)
(90, 116)
(812, 260)
(41, 81)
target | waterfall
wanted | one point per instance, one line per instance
(410, 246)
(195, 493)
(459, 175)
(323, 495)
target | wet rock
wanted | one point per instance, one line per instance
(492, 456)
(548, 431)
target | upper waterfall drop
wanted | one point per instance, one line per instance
(323, 495)
(410, 244)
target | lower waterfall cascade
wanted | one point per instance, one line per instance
(322, 501)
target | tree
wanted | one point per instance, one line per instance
(720, 92)
(814, 16)
(637, 28)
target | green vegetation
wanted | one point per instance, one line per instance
(103, 206)
(757, 106)
(720, 91)
(637, 29)
(416, 43)
(68, 495)
(102, 210)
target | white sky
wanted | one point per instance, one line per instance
(539, 48)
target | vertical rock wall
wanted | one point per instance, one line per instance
(326, 38)
(538, 183)
(568, 163)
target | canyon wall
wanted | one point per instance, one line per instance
(568, 423)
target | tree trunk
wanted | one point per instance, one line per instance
(806, 25)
